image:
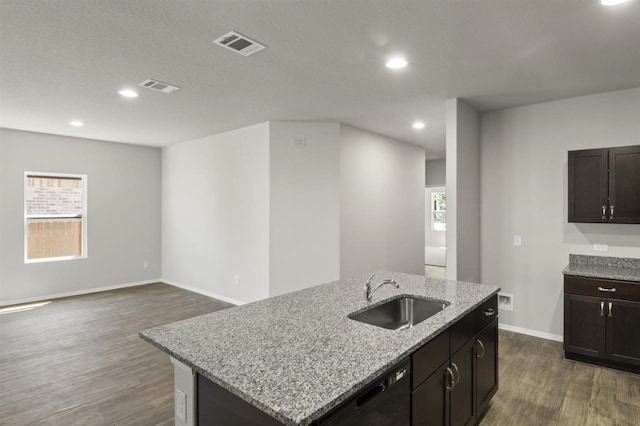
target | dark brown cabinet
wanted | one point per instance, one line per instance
(486, 367)
(455, 375)
(604, 185)
(600, 322)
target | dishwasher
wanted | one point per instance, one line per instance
(384, 402)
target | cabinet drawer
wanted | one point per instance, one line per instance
(486, 312)
(428, 358)
(462, 331)
(598, 287)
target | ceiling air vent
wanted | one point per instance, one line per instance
(238, 43)
(159, 86)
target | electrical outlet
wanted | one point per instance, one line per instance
(145, 264)
(181, 405)
(517, 240)
(237, 280)
(601, 247)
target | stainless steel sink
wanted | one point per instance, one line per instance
(401, 313)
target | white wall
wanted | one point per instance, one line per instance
(382, 212)
(215, 214)
(304, 205)
(524, 192)
(123, 215)
(463, 192)
(436, 172)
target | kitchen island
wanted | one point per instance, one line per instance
(297, 356)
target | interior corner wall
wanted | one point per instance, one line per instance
(123, 214)
(304, 205)
(382, 208)
(524, 192)
(436, 172)
(215, 214)
(463, 192)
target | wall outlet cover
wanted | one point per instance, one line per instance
(517, 240)
(601, 247)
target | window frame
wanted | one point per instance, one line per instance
(84, 249)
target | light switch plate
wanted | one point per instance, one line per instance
(601, 247)
(517, 240)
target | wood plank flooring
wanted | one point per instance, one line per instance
(539, 387)
(79, 361)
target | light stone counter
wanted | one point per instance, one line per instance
(298, 355)
(611, 268)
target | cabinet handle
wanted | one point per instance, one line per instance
(453, 364)
(480, 355)
(610, 309)
(601, 309)
(604, 212)
(609, 290)
(611, 212)
(489, 312)
(452, 381)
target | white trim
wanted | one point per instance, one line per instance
(529, 332)
(203, 292)
(76, 293)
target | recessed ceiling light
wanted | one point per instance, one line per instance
(418, 125)
(612, 2)
(396, 63)
(128, 93)
(76, 123)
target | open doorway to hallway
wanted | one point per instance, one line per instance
(435, 231)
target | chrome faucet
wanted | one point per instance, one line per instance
(368, 293)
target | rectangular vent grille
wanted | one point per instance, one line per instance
(239, 43)
(159, 86)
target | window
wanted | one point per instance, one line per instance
(55, 217)
(439, 211)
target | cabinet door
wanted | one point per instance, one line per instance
(588, 179)
(584, 325)
(624, 185)
(462, 396)
(486, 366)
(430, 400)
(623, 338)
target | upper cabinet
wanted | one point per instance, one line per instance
(604, 185)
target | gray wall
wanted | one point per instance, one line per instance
(123, 216)
(382, 212)
(304, 205)
(463, 192)
(524, 192)
(436, 172)
(215, 214)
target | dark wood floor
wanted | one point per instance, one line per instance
(79, 361)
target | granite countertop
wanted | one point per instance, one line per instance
(612, 268)
(298, 355)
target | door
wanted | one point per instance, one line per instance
(486, 366)
(623, 338)
(462, 396)
(584, 325)
(588, 180)
(624, 185)
(429, 401)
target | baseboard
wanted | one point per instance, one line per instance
(75, 293)
(203, 292)
(529, 332)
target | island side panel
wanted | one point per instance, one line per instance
(184, 392)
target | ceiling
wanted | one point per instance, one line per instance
(66, 59)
